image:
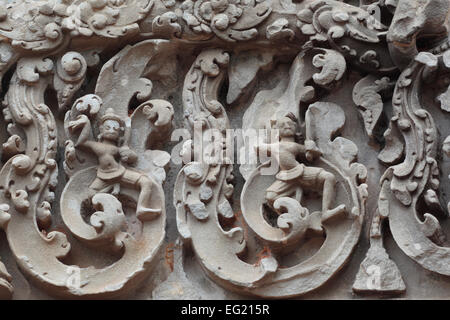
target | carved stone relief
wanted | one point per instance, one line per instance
(270, 148)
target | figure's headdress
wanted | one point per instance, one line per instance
(110, 115)
(292, 116)
(299, 126)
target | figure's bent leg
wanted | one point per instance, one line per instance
(279, 189)
(329, 194)
(138, 180)
(144, 210)
(329, 184)
(99, 186)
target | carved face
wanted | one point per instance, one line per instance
(286, 126)
(110, 130)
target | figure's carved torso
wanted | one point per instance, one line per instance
(289, 152)
(107, 156)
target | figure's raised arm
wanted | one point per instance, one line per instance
(83, 124)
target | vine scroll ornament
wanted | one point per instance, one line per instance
(413, 180)
(206, 219)
(106, 182)
(411, 184)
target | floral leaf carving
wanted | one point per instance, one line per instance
(70, 74)
(367, 95)
(444, 100)
(332, 65)
(125, 71)
(243, 69)
(229, 20)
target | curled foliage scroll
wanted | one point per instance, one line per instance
(29, 179)
(202, 195)
(417, 177)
